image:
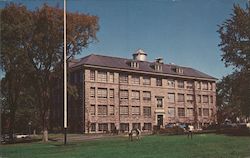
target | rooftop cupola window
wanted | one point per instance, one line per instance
(134, 64)
(178, 70)
(140, 55)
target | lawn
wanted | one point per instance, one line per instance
(201, 146)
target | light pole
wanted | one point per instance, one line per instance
(65, 74)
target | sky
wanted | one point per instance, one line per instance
(183, 32)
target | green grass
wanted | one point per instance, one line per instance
(201, 146)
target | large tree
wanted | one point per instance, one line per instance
(44, 48)
(235, 47)
(15, 25)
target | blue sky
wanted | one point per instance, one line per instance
(181, 31)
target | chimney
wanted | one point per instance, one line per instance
(140, 55)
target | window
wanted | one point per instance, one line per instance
(102, 126)
(211, 99)
(147, 111)
(171, 111)
(135, 95)
(204, 85)
(181, 112)
(111, 77)
(135, 80)
(148, 126)
(199, 98)
(134, 64)
(210, 86)
(205, 98)
(124, 110)
(92, 110)
(180, 97)
(135, 110)
(92, 92)
(206, 112)
(211, 112)
(93, 127)
(171, 97)
(111, 110)
(123, 78)
(102, 76)
(146, 80)
(198, 85)
(92, 75)
(158, 82)
(111, 93)
(171, 83)
(146, 95)
(190, 98)
(190, 112)
(158, 67)
(180, 84)
(136, 126)
(102, 93)
(102, 110)
(112, 127)
(123, 94)
(200, 112)
(124, 126)
(159, 102)
(190, 85)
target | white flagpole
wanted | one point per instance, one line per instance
(65, 76)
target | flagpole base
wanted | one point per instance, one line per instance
(65, 136)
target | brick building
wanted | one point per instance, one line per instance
(134, 93)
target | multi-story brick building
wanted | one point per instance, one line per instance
(134, 93)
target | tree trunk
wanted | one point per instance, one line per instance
(45, 135)
(45, 126)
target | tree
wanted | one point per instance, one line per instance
(235, 47)
(44, 48)
(15, 24)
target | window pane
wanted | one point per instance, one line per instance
(190, 112)
(102, 76)
(135, 80)
(205, 98)
(92, 75)
(147, 126)
(147, 111)
(124, 110)
(159, 103)
(146, 81)
(123, 78)
(180, 97)
(92, 92)
(111, 93)
(158, 82)
(171, 83)
(102, 93)
(135, 110)
(111, 110)
(92, 110)
(123, 94)
(171, 111)
(102, 110)
(146, 95)
(181, 112)
(135, 95)
(111, 77)
(171, 97)
(205, 112)
(180, 84)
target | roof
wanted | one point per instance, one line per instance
(145, 66)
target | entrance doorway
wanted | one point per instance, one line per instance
(160, 120)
